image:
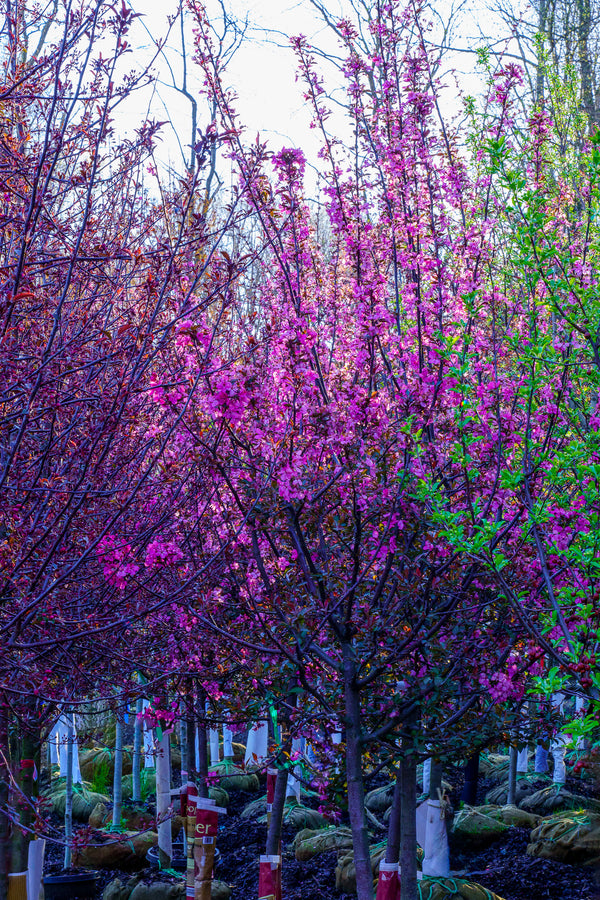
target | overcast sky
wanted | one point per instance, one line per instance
(263, 69)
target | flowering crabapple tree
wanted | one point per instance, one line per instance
(367, 402)
(96, 275)
(550, 240)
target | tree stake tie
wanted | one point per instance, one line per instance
(444, 802)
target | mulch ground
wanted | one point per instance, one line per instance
(504, 867)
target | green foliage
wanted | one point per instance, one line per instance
(101, 781)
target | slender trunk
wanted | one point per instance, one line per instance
(584, 11)
(198, 738)
(118, 775)
(27, 754)
(392, 852)
(48, 763)
(190, 734)
(276, 822)
(469, 792)
(17, 854)
(354, 779)
(202, 773)
(136, 778)
(185, 755)
(408, 828)
(190, 746)
(269, 866)
(435, 779)
(512, 775)
(69, 793)
(163, 799)
(540, 68)
(31, 762)
(4, 796)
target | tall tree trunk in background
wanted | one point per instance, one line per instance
(28, 760)
(69, 793)
(184, 748)
(354, 778)
(118, 775)
(469, 791)
(136, 770)
(4, 798)
(584, 28)
(435, 779)
(540, 75)
(392, 850)
(163, 800)
(202, 731)
(408, 825)
(190, 734)
(276, 822)
(512, 775)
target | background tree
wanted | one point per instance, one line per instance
(96, 275)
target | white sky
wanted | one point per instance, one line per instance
(263, 69)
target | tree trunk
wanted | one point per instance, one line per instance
(190, 744)
(118, 775)
(4, 797)
(392, 852)
(408, 828)
(512, 775)
(354, 778)
(28, 754)
(435, 779)
(202, 774)
(275, 825)
(540, 74)
(69, 793)
(469, 791)
(585, 62)
(185, 750)
(136, 778)
(163, 799)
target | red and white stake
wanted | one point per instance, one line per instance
(269, 878)
(388, 884)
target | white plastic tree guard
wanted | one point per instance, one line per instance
(426, 775)
(214, 746)
(293, 784)
(227, 742)
(522, 761)
(35, 868)
(257, 744)
(59, 738)
(541, 760)
(148, 737)
(163, 798)
(433, 838)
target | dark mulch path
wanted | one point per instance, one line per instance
(506, 869)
